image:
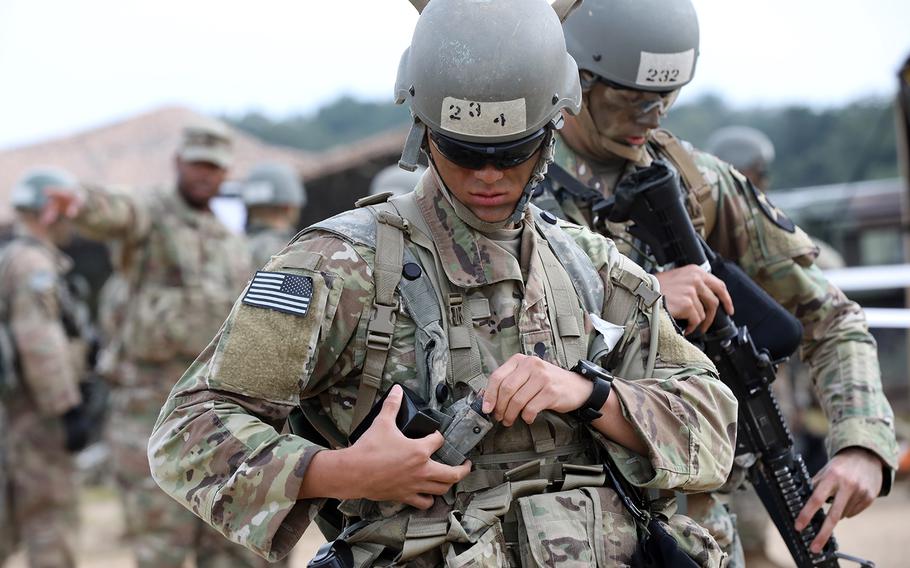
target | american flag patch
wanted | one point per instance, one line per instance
(288, 293)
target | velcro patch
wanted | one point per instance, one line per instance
(280, 291)
(771, 211)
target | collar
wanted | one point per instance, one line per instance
(468, 258)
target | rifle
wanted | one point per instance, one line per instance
(652, 199)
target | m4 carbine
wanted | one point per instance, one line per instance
(744, 348)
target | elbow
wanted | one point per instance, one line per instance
(716, 442)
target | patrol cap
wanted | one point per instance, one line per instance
(273, 184)
(207, 141)
(396, 180)
(742, 147)
(29, 192)
(649, 45)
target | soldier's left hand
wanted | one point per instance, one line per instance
(527, 386)
(853, 478)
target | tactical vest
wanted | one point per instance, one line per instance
(156, 329)
(447, 351)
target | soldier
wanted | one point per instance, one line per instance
(455, 288)
(393, 178)
(176, 259)
(274, 196)
(40, 394)
(751, 152)
(634, 56)
(748, 150)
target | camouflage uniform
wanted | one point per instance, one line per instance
(744, 226)
(217, 449)
(264, 241)
(40, 483)
(176, 260)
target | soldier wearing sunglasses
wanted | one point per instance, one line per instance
(633, 57)
(554, 346)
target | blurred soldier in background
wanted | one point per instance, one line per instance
(43, 360)
(396, 180)
(274, 196)
(634, 56)
(176, 259)
(748, 150)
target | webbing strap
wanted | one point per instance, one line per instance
(698, 190)
(632, 290)
(585, 279)
(572, 346)
(465, 362)
(387, 267)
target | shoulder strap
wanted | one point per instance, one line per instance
(698, 190)
(380, 227)
(387, 268)
(587, 283)
(560, 180)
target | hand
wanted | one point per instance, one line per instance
(854, 478)
(392, 467)
(527, 386)
(62, 202)
(694, 295)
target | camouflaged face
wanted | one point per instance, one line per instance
(216, 447)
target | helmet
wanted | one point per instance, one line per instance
(396, 180)
(29, 192)
(649, 45)
(741, 146)
(467, 79)
(273, 184)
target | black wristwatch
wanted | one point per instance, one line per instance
(603, 383)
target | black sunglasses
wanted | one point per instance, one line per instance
(501, 156)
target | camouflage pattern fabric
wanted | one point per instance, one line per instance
(174, 261)
(264, 241)
(39, 472)
(218, 448)
(837, 345)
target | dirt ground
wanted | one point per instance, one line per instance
(881, 534)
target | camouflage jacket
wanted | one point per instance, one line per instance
(217, 446)
(177, 261)
(264, 241)
(30, 285)
(837, 346)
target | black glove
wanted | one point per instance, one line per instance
(78, 429)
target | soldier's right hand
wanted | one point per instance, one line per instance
(397, 468)
(62, 202)
(694, 295)
(383, 465)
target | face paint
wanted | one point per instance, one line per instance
(618, 121)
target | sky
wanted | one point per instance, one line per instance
(69, 65)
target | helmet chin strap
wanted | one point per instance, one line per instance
(547, 155)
